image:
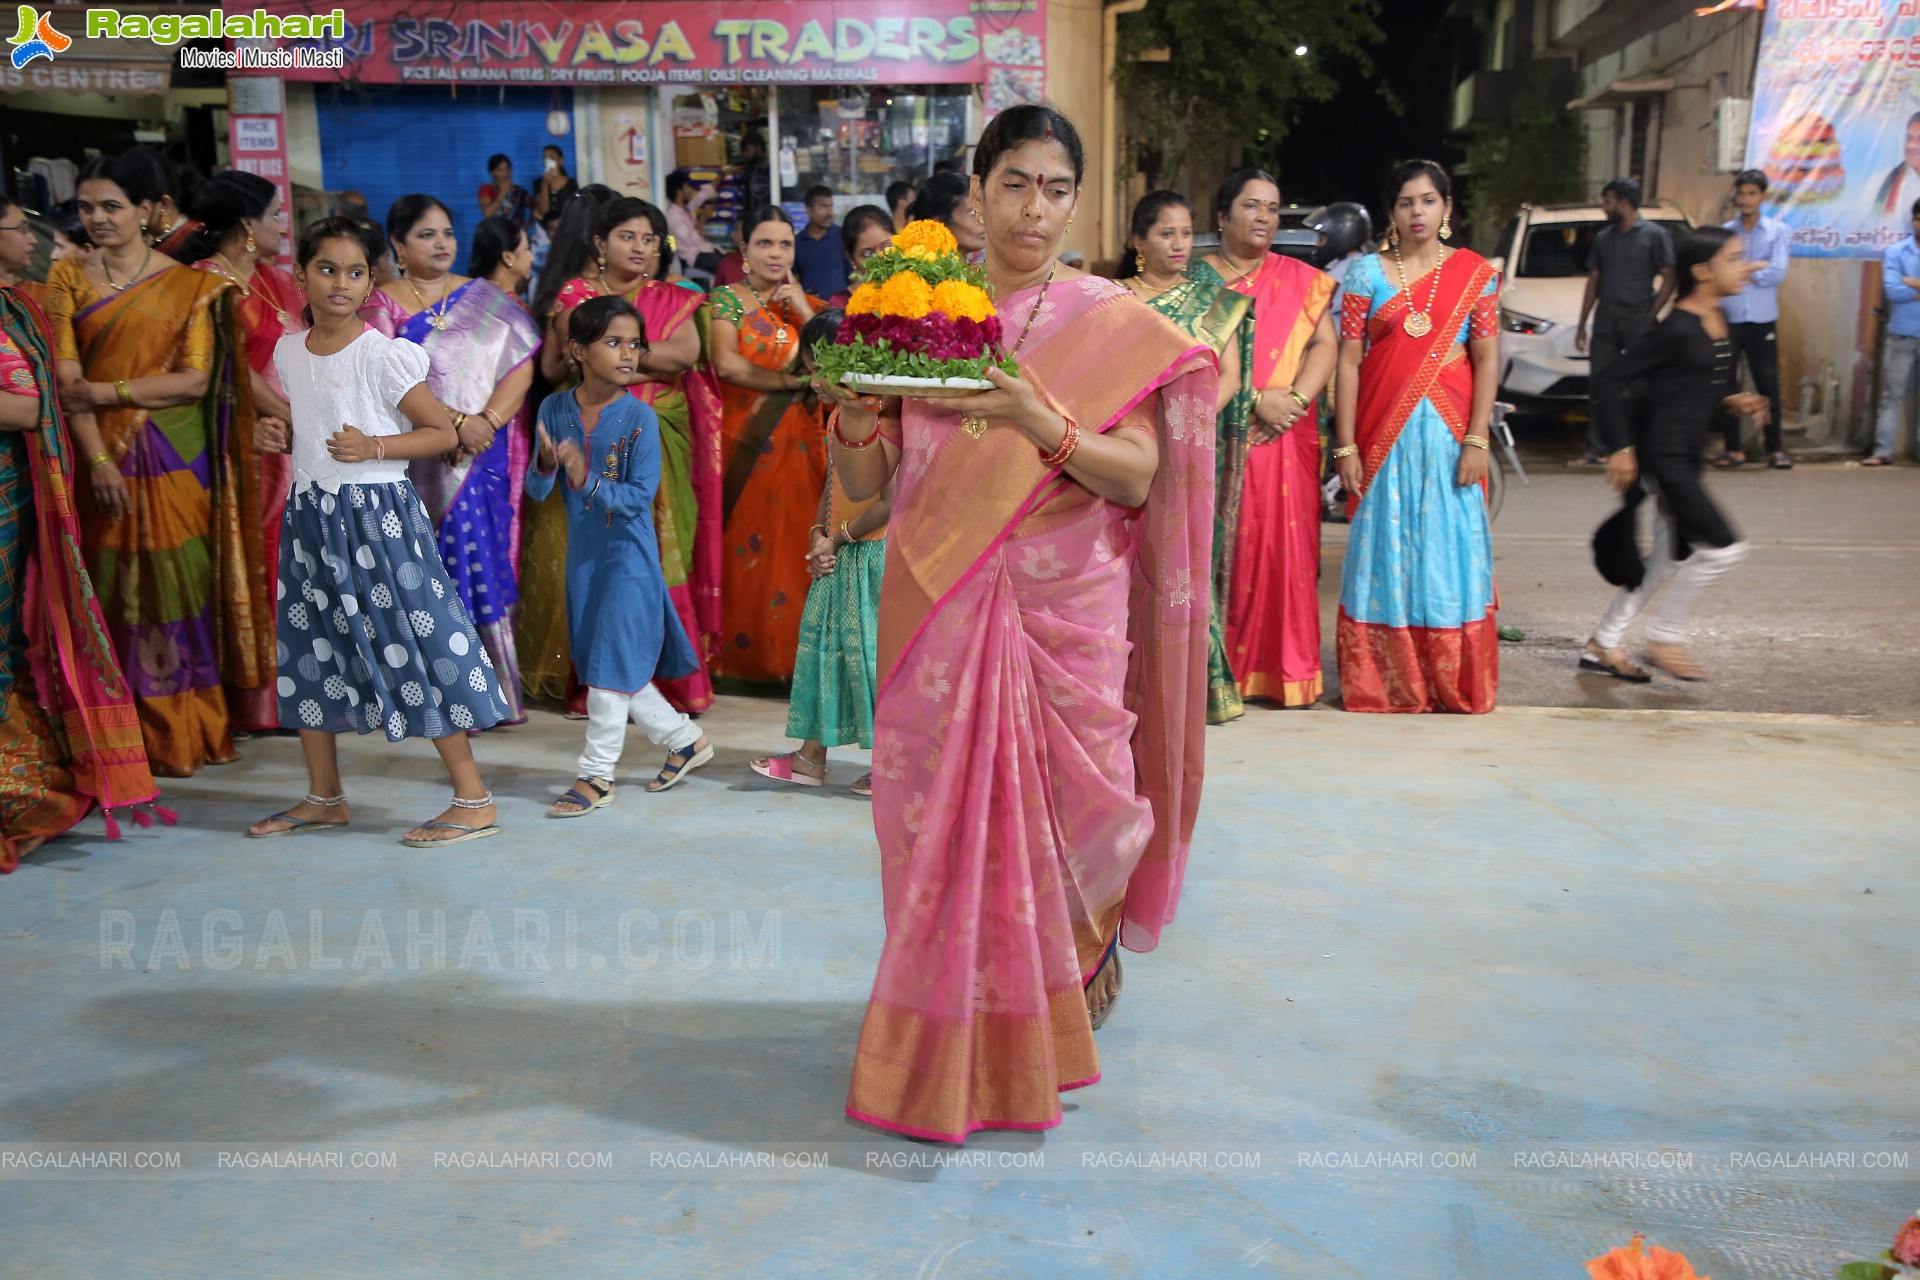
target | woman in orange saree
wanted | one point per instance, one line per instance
(1419, 362)
(69, 737)
(170, 516)
(773, 454)
(242, 226)
(629, 237)
(1043, 662)
(1273, 602)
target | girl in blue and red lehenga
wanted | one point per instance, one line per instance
(481, 342)
(1419, 359)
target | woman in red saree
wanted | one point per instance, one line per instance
(1419, 363)
(1043, 662)
(242, 225)
(624, 251)
(773, 454)
(157, 399)
(69, 736)
(1273, 601)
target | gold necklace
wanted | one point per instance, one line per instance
(1184, 284)
(780, 336)
(436, 319)
(976, 426)
(1418, 324)
(226, 269)
(107, 271)
(1233, 266)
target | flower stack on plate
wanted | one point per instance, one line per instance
(920, 322)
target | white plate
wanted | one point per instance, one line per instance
(919, 388)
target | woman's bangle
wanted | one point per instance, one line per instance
(95, 461)
(846, 534)
(492, 417)
(1300, 400)
(821, 529)
(121, 389)
(1344, 451)
(1624, 449)
(1068, 443)
(379, 449)
(867, 442)
(1478, 442)
(458, 418)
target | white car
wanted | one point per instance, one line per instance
(1542, 258)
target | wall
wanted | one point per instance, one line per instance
(1076, 80)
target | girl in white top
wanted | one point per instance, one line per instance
(372, 637)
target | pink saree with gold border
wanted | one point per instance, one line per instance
(1037, 742)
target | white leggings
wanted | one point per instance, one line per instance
(607, 713)
(1682, 580)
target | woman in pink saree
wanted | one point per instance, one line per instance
(1043, 667)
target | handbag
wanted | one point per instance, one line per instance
(1616, 543)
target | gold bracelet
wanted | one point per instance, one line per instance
(492, 417)
(846, 535)
(456, 417)
(1345, 451)
(1478, 442)
(121, 389)
(97, 460)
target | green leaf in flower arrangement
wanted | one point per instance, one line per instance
(1866, 1271)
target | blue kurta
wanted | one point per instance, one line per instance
(624, 628)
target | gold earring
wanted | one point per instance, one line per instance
(602, 258)
(1446, 225)
(1393, 236)
(251, 246)
(1139, 263)
(977, 217)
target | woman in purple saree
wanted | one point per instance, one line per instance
(1043, 665)
(481, 343)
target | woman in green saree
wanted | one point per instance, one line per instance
(1162, 271)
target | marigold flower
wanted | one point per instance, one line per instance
(865, 300)
(927, 236)
(1634, 1263)
(906, 295)
(961, 300)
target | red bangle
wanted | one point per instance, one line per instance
(845, 443)
(1068, 443)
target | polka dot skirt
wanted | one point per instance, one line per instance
(370, 637)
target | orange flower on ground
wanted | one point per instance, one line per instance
(925, 239)
(906, 295)
(961, 300)
(1633, 1263)
(865, 300)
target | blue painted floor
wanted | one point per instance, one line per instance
(1446, 998)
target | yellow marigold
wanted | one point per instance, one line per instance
(906, 295)
(961, 300)
(930, 238)
(864, 300)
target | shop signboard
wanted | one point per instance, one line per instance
(998, 43)
(1836, 122)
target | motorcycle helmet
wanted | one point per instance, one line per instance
(1343, 227)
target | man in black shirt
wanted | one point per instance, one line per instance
(1630, 279)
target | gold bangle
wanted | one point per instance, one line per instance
(846, 534)
(97, 460)
(1299, 399)
(492, 417)
(1345, 451)
(1478, 442)
(121, 389)
(458, 418)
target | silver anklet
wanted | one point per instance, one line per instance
(325, 802)
(485, 802)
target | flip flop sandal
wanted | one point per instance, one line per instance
(1724, 463)
(1781, 462)
(671, 774)
(780, 769)
(1625, 671)
(1113, 958)
(599, 799)
(1876, 460)
(468, 833)
(300, 824)
(863, 786)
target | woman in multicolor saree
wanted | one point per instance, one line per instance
(69, 736)
(1419, 359)
(242, 225)
(624, 252)
(160, 405)
(1042, 656)
(1273, 602)
(772, 451)
(481, 343)
(1193, 296)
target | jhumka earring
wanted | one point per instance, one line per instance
(977, 217)
(602, 259)
(1139, 262)
(1446, 225)
(1393, 236)
(251, 246)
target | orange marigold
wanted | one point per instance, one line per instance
(1636, 1263)
(865, 300)
(961, 300)
(906, 295)
(928, 237)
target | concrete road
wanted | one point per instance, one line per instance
(1821, 618)
(1449, 998)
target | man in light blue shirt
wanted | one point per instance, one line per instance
(1753, 316)
(1900, 281)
